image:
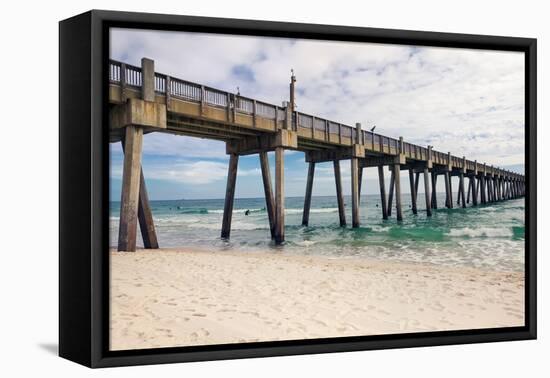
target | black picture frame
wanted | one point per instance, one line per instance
(83, 182)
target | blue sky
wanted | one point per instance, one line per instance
(469, 102)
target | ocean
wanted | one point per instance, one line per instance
(490, 237)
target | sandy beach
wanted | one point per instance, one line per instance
(181, 297)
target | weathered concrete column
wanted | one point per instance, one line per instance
(450, 177)
(229, 195)
(148, 79)
(145, 215)
(474, 190)
(416, 183)
(482, 188)
(434, 190)
(448, 200)
(382, 185)
(390, 192)
(279, 195)
(307, 198)
(463, 197)
(339, 193)
(469, 189)
(131, 177)
(268, 191)
(397, 178)
(360, 183)
(354, 192)
(427, 192)
(413, 191)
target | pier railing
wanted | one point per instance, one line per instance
(130, 76)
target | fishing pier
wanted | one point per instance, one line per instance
(143, 101)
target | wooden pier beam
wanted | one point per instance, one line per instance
(434, 190)
(354, 192)
(339, 193)
(268, 191)
(279, 195)
(131, 176)
(382, 185)
(463, 196)
(229, 195)
(307, 198)
(390, 193)
(413, 191)
(427, 192)
(397, 179)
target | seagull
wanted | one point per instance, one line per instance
(374, 127)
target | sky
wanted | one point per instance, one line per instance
(468, 102)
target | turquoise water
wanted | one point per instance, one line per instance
(489, 237)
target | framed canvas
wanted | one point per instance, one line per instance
(235, 188)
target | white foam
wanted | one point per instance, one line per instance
(481, 232)
(300, 211)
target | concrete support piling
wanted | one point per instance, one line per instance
(354, 192)
(397, 180)
(268, 191)
(131, 177)
(448, 201)
(427, 192)
(339, 193)
(413, 191)
(434, 190)
(390, 193)
(382, 185)
(463, 197)
(307, 198)
(279, 195)
(229, 195)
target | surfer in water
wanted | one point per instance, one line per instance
(247, 212)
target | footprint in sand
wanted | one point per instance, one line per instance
(199, 314)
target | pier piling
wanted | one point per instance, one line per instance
(354, 192)
(131, 176)
(397, 180)
(229, 195)
(339, 193)
(390, 193)
(279, 195)
(427, 192)
(382, 185)
(307, 198)
(268, 191)
(413, 191)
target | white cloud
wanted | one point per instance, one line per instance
(194, 173)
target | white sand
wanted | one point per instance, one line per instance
(183, 297)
